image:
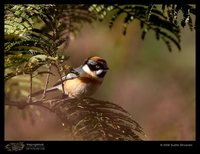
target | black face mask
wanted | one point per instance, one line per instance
(96, 66)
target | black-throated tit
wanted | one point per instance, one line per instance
(84, 80)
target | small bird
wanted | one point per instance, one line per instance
(82, 81)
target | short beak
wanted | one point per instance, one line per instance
(106, 68)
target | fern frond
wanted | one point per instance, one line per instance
(162, 23)
(32, 30)
(92, 119)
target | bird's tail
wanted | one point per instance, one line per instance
(42, 91)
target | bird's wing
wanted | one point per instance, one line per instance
(74, 73)
(77, 72)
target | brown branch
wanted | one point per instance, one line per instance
(47, 104)
(24, 104)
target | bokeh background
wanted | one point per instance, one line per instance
(154, 85)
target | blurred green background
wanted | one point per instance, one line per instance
(155, 86)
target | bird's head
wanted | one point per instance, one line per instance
(96, 67)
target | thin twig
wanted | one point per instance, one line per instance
(31, 86)
(63, 91)
(47, 82)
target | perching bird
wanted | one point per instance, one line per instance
(82, 81)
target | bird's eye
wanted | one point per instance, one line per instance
(97, 66)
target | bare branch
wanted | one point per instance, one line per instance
(60, 75)
(31, 86)
(47, 81)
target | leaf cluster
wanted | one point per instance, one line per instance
(161, 19)
(35, 33)
(92, 119)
